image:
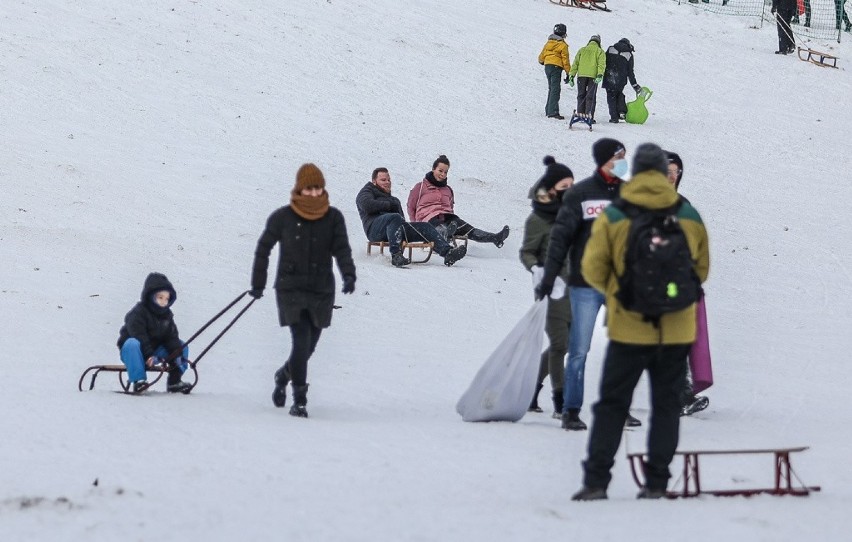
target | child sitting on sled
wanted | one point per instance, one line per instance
(149, 335)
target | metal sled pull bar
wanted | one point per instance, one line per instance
(221, 333)
(178, 351)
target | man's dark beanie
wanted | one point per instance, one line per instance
(555, 173)
(604, 149)
(650, 157)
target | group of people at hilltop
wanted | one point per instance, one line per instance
(591, 67)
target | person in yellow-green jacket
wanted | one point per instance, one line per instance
(555, 57)
(588, 69)
(636, 342)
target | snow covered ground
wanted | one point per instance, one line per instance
(159, 135)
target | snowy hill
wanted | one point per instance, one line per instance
(159, 135)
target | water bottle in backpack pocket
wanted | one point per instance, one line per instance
(659, 275)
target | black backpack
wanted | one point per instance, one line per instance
(659, 274)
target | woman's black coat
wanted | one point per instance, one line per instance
(305, 280)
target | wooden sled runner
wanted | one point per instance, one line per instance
(405, 246)
(599, 5)
(815, 57)
(410, 245)
(165, 366)
(784, 474)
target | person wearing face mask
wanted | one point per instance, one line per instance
(546, 195)
(432, 200)
(581, 204)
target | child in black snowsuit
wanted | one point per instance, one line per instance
(149, 335)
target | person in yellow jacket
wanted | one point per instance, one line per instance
(636, 344)
(588, 68)
(554, 57)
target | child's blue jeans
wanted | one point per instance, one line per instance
(131, 356)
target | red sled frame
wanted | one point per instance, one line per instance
(784, 474)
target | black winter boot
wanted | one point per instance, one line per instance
(300, 399)
(454, 255)
(279, 394)
(558, 403)
(534, 403)
(174, 383)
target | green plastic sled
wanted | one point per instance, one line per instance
(637, 113)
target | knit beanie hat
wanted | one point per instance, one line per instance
(650, 157)
(555, 172)
(604, 149)
(596, 38)
(674, 158)
(308, 175)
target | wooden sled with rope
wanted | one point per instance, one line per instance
(692, 482)
(599, 5)
(168, 363)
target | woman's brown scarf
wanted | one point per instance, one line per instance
(309, 207)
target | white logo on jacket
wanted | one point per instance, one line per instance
(593, 207)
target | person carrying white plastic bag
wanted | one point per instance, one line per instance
(504, 385)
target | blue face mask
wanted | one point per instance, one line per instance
(619, 169)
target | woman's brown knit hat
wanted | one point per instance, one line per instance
(308, 175)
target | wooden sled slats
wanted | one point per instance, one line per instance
(815, 57)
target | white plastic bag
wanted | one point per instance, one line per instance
(505, 384)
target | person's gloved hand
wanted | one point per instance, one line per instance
(541, 62)
(598, 79)
(256, 293)
(638, 88)
(348, 284)
(571, 81)
(544, 288)
(772, 10)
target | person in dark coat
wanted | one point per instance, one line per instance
(149, 335)
(690, 403)
(581, 205)
(619, 68)
(382, 218)
(309, 233)
(784, 10)
(546, 196)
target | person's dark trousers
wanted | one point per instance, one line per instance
(423, 231)
(305, 337)
(556, 327)
(587, 91)
(554, 89)
(460, 228)
(622, 368)
(616, 102)
(785, 33)
(387, 228)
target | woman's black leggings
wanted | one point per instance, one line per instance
(305, 338)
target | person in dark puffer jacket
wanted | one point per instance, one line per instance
(581, 205)
(308, 232)
(619, 68)
(149, 335)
